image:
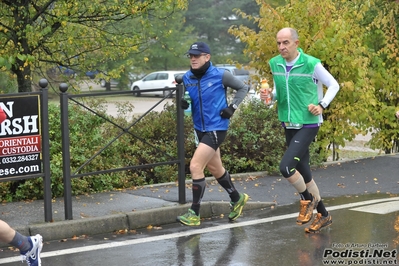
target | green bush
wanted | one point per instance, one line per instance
(255, 142)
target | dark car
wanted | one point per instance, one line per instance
(92, 73)
(240, 73)
(73, 73)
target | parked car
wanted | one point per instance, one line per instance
(69, 72)
(253, 94)
(73, 73)
(92, 73)
(156, 80)
(114, 82)
(240, 73)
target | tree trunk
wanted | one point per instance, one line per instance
(108, 86)
(23, 77)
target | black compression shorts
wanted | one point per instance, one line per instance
(212, 138)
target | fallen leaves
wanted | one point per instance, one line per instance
(75, 237)
(150, 227)
(83, 215)
(121, 232)
(251, 178)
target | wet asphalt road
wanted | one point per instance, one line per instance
(362, 196)
(261, 237)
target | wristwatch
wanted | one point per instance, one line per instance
(234, 106)
(323, 105)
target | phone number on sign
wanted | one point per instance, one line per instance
(20, 158)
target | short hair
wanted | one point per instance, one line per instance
(294, 34)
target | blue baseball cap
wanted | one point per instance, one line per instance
(199, 48)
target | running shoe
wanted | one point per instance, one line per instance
(32, 256)
(319, 223)
(190, 218)
(306, 211)
(236, 208)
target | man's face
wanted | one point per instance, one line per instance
(286, 45)
(197, 61)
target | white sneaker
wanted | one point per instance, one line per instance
(32, 257)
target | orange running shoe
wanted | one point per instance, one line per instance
(306, 211)
(319, 223)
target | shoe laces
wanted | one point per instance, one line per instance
(32, 253)
(190, 213)
(27, 259)
(28, 256)
(305, 205)
(318, 219)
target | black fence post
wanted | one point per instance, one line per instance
(48, 213)
(66, 163)
(180, 141)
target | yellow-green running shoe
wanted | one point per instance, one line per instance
(190, 218)
(236, 208)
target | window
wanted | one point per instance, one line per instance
(241, 72)
(150, 77)
(162, 76)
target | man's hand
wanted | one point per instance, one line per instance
(397, 114)
(315, 109)
(227, 112)
(265, 93)
(184, 104)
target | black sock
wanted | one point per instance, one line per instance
(322, 209)
(198, 190)
(195, 208)
(306, 195)
(225, 182)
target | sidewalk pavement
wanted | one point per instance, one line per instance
(158, 204)
(114, 211)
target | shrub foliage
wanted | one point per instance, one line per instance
(255, 142)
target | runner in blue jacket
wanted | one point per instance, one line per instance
(211, 114)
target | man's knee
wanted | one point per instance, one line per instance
(195, 167)
(285, 170)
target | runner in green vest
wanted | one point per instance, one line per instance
(298, 90)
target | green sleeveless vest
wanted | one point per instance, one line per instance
(295, 89)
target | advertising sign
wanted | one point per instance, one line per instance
(20, 136)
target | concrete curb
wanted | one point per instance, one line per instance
(129, 221)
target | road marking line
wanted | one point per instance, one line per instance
(381, 208)
(190, 232)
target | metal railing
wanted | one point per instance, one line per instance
(67, 173)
